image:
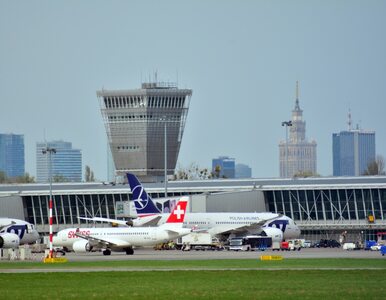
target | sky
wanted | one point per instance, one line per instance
(241, 59)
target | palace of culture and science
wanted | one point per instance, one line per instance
(297, 154)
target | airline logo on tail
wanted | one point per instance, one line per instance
(178, 213)
(143, 203)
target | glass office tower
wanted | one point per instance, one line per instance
(226, 167)
(12, 161)
(66, 162)
(352, 151)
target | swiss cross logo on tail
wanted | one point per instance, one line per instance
(178, 213)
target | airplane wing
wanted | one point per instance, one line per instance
(228, 229)
(113, 221)
(151, 220)
(104, 242)
(147, 220)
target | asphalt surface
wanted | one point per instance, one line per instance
(150, 254)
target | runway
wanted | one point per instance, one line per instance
(150, 254)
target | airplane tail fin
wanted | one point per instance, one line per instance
(143, 203)
(177, 216)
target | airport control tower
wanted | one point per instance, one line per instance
(137, 122)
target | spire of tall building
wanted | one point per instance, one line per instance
(297, 107)
(298, 128)
(297, 155)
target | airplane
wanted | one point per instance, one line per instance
(123, 239)
(223, 225)
(14, 232)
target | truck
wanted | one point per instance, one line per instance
(250, 243)
(198, 241)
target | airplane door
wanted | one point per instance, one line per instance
(153, 235)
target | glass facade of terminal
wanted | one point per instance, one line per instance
(327, 213)
(330, 205)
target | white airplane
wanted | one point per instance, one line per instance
(14, 232)
(124, 238)
(224, 225)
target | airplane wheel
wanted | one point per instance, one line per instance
(106, 252)
(130, 251)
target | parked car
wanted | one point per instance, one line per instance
(323, 243)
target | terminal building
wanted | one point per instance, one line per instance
(322, 207)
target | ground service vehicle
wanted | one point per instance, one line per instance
(251, 242)
(198, 241)
(296, 244)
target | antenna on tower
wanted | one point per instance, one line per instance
(349, 121)
(297, 90)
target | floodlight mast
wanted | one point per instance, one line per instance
(50, 151)
(286, 124)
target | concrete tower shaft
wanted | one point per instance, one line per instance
(135, 123)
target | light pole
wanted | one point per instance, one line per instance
(286, 124)
(165, 156)
(50, 151)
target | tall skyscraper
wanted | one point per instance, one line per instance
(225, 165)
(137, 122)
(66, 162)
(297, 155)
(12, 161)
(352, 150)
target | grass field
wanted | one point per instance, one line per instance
(287, 279)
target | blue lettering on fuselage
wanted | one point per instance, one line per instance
(241, 218)
(17, 229)
(281, 224)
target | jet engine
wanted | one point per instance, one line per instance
(9, 240)
(82, 246)
(275, 233)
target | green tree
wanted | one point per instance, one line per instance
(193, 172)
(3, 177)
(217, 171)
(26, 178)
(376, 167)
(305, 174)
(59, 178)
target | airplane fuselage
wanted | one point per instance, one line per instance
(216, 223)
(122, 236)
(26, 232)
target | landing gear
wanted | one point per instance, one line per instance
(106, 252)
(129, 251)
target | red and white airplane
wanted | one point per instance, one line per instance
(123, 239)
